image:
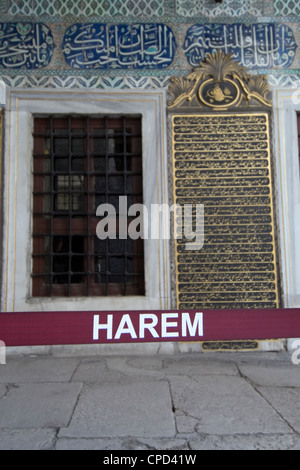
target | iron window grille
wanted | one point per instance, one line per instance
(80, 162)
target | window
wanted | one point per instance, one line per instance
(36, 239)
(81, 162)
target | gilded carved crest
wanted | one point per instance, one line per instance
(219, 83)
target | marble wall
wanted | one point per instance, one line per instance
(128, 44)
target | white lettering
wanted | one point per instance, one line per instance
(198, 233)
(148, 326)
(187, 324)
(160, 217)
(2, 352)
(105, 326)
(128, 329)
(112, 460)
(168, 322)
(123, 225)
(295, 358)
(138, 228)
(106, 228)
(165, 325)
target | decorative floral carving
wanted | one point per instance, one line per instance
(217, 71)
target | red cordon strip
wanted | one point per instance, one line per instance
(92, 327)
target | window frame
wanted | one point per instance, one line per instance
(22, 105)
(286, 107)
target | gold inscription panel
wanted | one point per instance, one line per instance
(223, 162)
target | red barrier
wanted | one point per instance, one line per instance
(91, 327)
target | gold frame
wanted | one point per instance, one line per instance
(234, 116)
(252, 99)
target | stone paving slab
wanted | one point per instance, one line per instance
(181, 365)
(3, 390)
(246, 442)
(95, 370)
(279, 375)
(191, 366)
(38, 369)
(224, 405)
(38, 405)
(128, 443)
(27, 439)
(160, 402)
(287, 403)
(245, 357)
(139, 409)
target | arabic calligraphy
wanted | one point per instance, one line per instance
(236, 268)
(229, 345)
(100, 46)
(28, 45)
(254, 46)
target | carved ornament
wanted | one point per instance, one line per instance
(219, 83)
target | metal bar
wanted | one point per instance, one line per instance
(74, 259)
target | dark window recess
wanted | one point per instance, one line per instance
(79, 163)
